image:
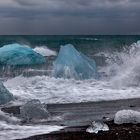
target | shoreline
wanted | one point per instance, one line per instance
(78, 116)
(82, 114)
(116, 132)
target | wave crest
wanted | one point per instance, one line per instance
(44, 51)
(124, 67)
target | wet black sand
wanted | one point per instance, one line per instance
(77, 117)
(116, 132)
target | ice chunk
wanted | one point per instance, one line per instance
(72, 64)
(97, 126)
(5, 95)
(16, 54)
(34, 110)
(127, 116)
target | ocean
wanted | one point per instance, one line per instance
(117, 59)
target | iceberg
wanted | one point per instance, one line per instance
(127, 116)
(5, 95)
(34, 110)
(16, 54)
(96, 127)
(72, 64)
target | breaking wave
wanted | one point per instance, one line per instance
(43, 50)
(123, 68)
(119, 79)
(89, 39)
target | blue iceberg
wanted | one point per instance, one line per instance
(16, 54)
(72, 64)
(5, 95)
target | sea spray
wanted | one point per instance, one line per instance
(44, 51)
(123, 68)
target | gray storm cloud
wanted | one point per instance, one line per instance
(70, 17)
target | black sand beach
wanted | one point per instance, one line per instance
(77, 117)
(116, 132)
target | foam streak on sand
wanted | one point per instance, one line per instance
(11, 132)
(11, 129)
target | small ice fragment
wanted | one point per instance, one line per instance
(127, 116)
(33, 110)
(97, 126)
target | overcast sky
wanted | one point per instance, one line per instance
(69, 17)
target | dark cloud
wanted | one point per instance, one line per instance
(26, 2)
(70, 17)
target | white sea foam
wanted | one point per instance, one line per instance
(45, 51)
(123, 67)
(52, 90)
(8, 118)
(90, 39)
(10, 131)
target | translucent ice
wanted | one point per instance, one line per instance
(34, 110)
(5, 95)
(127, 116)
(16, 54)
(97, 126)
(72, 64)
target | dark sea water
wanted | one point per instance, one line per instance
(89, 45)
(118, 65)
(83, 43)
